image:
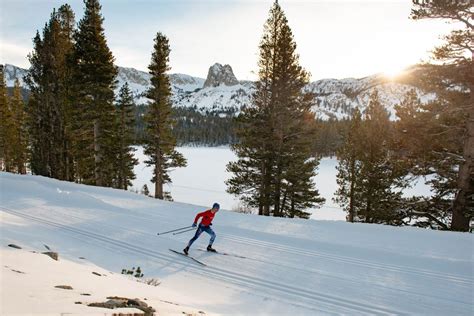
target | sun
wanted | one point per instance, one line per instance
(393, 72)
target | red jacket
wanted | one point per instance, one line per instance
(207, 217)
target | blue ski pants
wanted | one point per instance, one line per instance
(199, 231)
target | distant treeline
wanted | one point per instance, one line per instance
(193, 127)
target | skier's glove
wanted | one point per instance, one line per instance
(210, 224)
(194, 225)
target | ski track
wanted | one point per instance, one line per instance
(334, 304)
(121, 245)
(293, 250)
(350, 260)
(304, 252)
(289, 249)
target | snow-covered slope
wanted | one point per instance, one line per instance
(29, 283)
(337, 98)
(139, 82)
(12, 73)
(280, 267)
(221, 91)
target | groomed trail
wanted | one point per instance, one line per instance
(273, 266)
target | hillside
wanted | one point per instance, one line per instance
(221, 93)
(276, 266)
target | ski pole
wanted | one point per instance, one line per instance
(187, 230)
(170, 231)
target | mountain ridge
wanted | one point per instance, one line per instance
(221, 92)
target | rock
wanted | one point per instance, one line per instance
(117, 302)
(85, 294)
(14, 246)
(113, 303)
(219, 74)
(97, 273)
(64, 287)
(52, 254)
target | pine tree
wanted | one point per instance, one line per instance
(453, 83)
(66, 20)
(160, 143)
(41, 81)
(348, 169)
(94, 76)
(252, 179)
(425, 156)
(20, 136)
(275, 165)
(6, 127)
(125, 160)
(49, 104)
(382, 176)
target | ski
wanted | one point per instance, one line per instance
(224, 254)
(184, 255)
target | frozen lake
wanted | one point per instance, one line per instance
(202, 182)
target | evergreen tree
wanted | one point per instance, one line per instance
(6, 127)
(49, 104)
(94, 76)
(66, 20)
(349, 168)
(125, 160)
(453, 83)
(160, 143)
(252, 179)
(382, 176)
(275, 165)
(20, 136)
(425, 155)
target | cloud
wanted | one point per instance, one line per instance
(15, 54)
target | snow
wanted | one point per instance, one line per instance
(29, 278)
(292, 266)
(202, 182)
(12, 73)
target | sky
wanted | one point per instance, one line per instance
(335, 39)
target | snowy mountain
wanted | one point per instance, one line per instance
(337, 98)
(12, 73)
(273, 266)
(139, 82)
(221, 92)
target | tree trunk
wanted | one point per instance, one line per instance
(266, 188)
(97, 154)
(158, 177)
(277, 192)
(351, 194)
(464, 197)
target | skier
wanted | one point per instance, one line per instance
(204, 226)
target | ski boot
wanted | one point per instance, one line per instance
(185, 250)
(209, 248)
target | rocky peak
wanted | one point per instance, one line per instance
(219, 74)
